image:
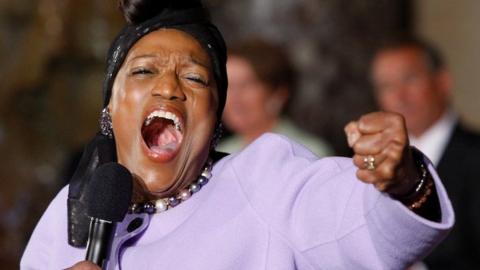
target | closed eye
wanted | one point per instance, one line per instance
(197, 80)
(141, 71)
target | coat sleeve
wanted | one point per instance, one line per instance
(330, 219)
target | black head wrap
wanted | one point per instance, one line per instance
(187, 16)
(194, 21)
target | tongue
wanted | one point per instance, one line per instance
(168, 140)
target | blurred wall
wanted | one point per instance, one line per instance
(454, 26)
(52, 56)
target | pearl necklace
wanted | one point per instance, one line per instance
(162, 205)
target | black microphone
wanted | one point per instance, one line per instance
(108, 197)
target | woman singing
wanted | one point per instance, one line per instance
(274, 205)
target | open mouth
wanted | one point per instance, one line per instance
(162, 133)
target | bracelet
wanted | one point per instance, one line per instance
(419, 195)
(422, 199)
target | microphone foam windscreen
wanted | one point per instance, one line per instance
(109, 192)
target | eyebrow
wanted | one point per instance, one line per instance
(195, 61)
(142, 56)
(188, 58)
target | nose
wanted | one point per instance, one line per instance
(168, 87)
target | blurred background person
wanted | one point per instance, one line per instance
(410, 77)
(261, 81)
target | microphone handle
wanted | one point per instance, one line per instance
(100, 236)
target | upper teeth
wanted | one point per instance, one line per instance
(166, 115)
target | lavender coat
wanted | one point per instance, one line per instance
(273, 206)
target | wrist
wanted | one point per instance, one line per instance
(422, 189)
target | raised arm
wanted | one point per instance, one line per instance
(385, 160)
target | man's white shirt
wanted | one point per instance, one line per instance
(434, 141)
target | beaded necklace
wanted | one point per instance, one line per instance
(162, 205)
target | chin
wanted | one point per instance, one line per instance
(164, 177)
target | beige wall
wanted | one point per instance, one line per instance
(454, 26)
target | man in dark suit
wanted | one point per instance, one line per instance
(409, 77)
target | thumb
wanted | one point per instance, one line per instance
(352, 132)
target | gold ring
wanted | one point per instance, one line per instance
(369, 162)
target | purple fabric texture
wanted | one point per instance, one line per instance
(272, 206)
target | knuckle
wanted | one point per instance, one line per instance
(398, 119)
(364, 120)
(401, 138)
(357, 161)
(399, 145)
(359, 175)
(371, 177)
(381, 114)
(357, 148)
(348, 127)
(364, 176)
(394, 156)
(394, 150)
(375, 148)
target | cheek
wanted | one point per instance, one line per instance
(234, 97)
(202, 120)
(255, 98)
(419, 96)
(390, 98)
(203, 106)
(125, 104)
(128, 96)
(238, 101)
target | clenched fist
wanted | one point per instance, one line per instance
(382, 153)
